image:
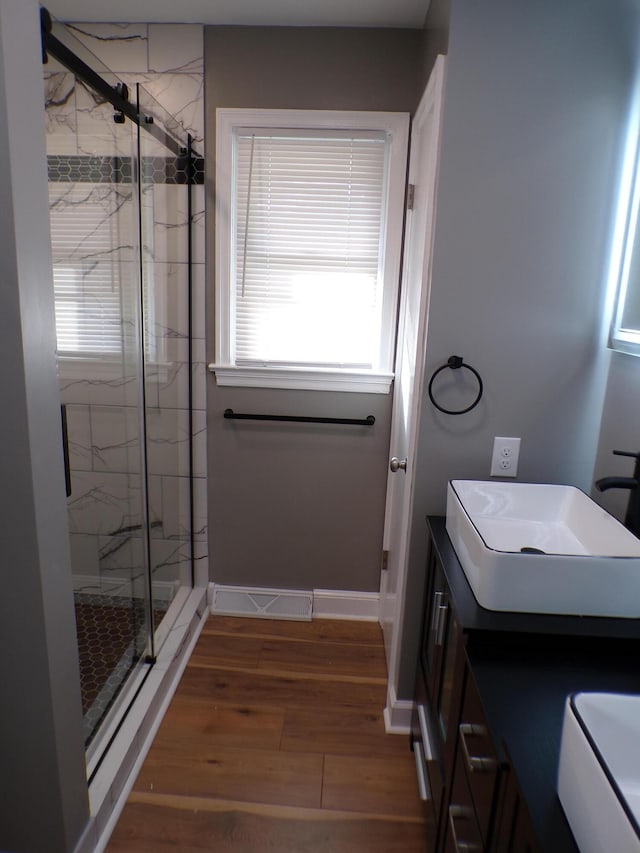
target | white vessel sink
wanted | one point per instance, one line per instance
(599, 773)
(536, 548)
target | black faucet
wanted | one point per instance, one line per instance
(632, 517)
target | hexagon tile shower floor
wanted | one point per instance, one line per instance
(108, 629)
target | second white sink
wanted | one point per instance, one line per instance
(599, 772)
(537, 548)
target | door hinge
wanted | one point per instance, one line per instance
(384, 563)
(411, 194)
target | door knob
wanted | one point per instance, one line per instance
(396, 464)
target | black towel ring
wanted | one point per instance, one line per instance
(455, 362)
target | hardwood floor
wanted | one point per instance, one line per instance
(274, 741)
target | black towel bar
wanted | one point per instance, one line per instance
(229, 414)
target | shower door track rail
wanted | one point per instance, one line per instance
(54, 47)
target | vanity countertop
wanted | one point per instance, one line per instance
(524, 680)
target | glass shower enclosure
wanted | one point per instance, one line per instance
(120, 177)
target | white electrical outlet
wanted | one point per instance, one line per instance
(504, 459)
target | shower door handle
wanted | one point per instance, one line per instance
(65, 449)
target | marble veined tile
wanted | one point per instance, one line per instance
(176, 523)
(199, 444)
(103, 503)
(79, 385)
(170, 560)
(199, 224)
(60, 112)
(170, 228)
(168, 442)
(98, 133)
(121, 47)
(122, 556)
(115, 433)
(92, 223)
(182, 96)
(167, 299)
(154, 493)
(79, 436)
(200, 509)
(198, 328)
(173, 385)
(176, 48)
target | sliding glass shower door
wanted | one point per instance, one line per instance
(94, 237)
(118, 189)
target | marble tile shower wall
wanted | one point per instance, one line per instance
(102, 409)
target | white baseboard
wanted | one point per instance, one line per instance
(397, 714)
(346, 604)
(334, 603)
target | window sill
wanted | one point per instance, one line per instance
(629, 344)
(304, 379)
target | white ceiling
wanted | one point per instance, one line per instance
(289, 13)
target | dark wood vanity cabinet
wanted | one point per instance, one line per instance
(461, 765)
(490, 694)
(437, 697)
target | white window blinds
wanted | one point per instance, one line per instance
(308, 237)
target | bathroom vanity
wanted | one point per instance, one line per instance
(489, 703)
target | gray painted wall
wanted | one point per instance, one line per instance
(299, 506)
(44, 803)
(535, 100)
(435, 37)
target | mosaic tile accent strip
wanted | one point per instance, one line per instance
(70, 168)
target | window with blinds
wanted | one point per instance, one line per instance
(308, 247)
(309, 214)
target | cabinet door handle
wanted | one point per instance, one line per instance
(423, 785)
(475, 763)
(437, 600)
(425, 734)
(442, 621)
(461, 813)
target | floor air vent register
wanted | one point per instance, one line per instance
(263, 603)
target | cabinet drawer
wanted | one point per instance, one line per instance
(462, 831)
(478, 756)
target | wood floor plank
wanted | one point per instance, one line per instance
(216, 804)
(153, 829)
(251, 775)
(348, 731)
(254, 687)
(331, 658)
(363, 784)
(318, 630)
(232, 651)
(193, 724)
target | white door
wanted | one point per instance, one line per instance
(409, 375)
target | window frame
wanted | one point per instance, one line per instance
(379, 378)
